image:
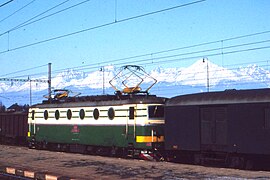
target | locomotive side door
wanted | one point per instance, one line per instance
(32, 123)
(131, 125)
(213, 128)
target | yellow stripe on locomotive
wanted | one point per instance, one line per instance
(146, 139)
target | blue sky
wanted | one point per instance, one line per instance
(202, 22)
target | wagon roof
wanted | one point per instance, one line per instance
(222, 97)
(102, 100)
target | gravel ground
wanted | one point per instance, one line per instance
(81, 166)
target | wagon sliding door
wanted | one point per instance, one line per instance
(213, 128)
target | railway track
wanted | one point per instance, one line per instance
(61, 165)
(228, 127)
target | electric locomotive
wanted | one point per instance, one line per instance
(129, 123)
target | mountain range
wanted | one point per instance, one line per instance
(199, 77)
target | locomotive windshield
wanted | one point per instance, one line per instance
(156, 111)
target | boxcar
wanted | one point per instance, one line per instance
(13, 128)
(231, 127)
(131, 123)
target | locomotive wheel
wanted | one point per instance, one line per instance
(91, 150)
(114, 151)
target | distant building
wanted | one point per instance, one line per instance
(17, 108)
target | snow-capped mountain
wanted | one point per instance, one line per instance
(166, 75)
(200, 71)
(171, 81)
(255, 74)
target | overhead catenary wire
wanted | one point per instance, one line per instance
(191, 46)
(171, 50)
(1, 5)
(147, 61)
(44, 17)
(99, 26)
(217, 41)
(151, 60)
(165, 60)
(15, 12)
(29, 20)
(97, 65)
(207, 50)
(24, 70)
(205, 55)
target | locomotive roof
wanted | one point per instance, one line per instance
(222, 97)
(101, 100)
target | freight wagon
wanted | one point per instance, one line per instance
(232, 127)
(13, 128)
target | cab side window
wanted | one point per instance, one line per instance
(156, 111)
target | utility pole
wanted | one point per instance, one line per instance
(103, 79)
(207, 72)
(30, 91)
(25, 80)
(50, 81)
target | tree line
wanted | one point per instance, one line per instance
(14, 107)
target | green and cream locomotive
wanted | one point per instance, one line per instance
(129, 123)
